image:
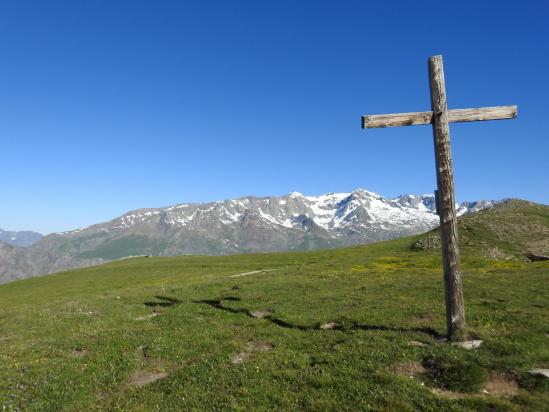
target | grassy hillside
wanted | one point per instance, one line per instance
(512, 229)
(349, 329)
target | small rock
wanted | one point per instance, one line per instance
(142, 378)
(416, 343)
(146, 317)
(468, 344)
(259, 314)
(330, 325)
(540, 372)
(241, 357)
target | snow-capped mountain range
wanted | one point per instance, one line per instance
(339, 214)
(247, 224)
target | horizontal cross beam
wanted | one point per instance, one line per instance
(454, 116)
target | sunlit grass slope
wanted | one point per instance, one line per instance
(97, 338)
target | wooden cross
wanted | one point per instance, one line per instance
(439, 117)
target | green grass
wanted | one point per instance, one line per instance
(382, 295)
(127, 246)
(509, 230)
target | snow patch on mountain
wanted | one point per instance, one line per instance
(360, 212)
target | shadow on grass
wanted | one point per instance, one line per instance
(166, 302)
(218, 304)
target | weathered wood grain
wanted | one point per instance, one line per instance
(439, 117)
(454, 116)
(455, 312)
(482, 113)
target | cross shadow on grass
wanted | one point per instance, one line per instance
(218, 304)
(166, 302)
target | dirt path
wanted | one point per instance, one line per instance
(253, 272)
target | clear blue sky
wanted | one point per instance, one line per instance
(107, 106)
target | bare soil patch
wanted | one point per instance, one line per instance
(142, 378)
(260, 346)
(501, 385)
(498, 384)
(241, 357)
(80, 353)
(251, 348)
(407, 369)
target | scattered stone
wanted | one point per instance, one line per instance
(468, 344)
(410, 369)
(416, 343)
(501, 385)
(80, 353)
(540, 372)
(330, 325)
(142, 378)
(147, 317)
(259, 314)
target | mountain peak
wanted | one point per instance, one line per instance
(247, 224)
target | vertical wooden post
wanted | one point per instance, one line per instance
(455, 313)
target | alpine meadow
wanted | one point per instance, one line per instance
(274, 206)
(355, 328)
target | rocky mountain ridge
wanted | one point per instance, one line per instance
(23, 238)
(247, 224)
